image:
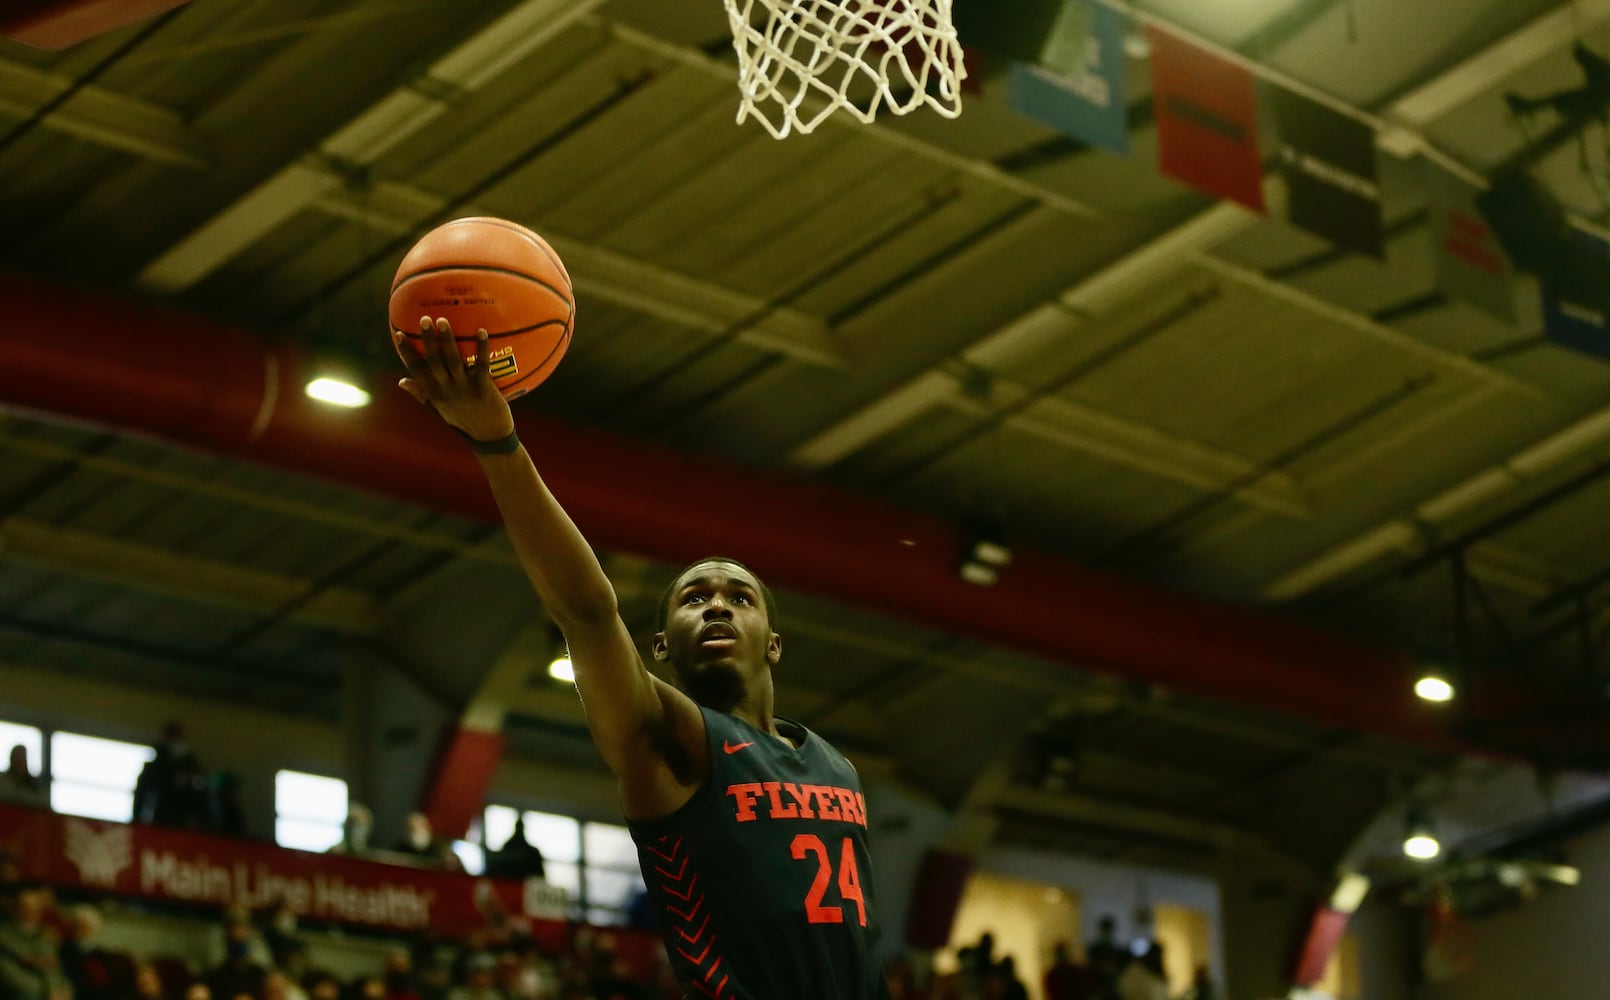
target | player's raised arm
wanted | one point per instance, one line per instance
(642, 726)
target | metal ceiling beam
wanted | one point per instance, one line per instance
(496, 552)
(101, 116)
(466, 68)
(1023, 338)
(1478, 75)
(1410, 534)
(1162, 257)
(1136, 446)
(1089, 809)
(396, 208)
(1398, 340)
(27, 542)
(227, 391)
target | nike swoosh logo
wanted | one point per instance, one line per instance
(734, 749)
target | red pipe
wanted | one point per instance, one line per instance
(61, 24)
(194, 382)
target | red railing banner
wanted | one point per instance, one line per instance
(179, 866)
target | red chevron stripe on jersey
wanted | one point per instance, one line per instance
(694, 940)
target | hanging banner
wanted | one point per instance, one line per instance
(1329, 163)
(1207, 120)
(1471, 264)
(1080, 87)
(1576, 302)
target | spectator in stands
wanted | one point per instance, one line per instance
(225, 814)
(1010, 987)
(399, 976)
(902, 979)
(18, 786)
(977, 962)
(147, 983)
(1065, 980)
(369, 988)
(285, 948)
(479, 973)
(1106, 959)
(517, 858)
(421, 841)
(1201, 985)
(321, 985)
(29, 966)
(171, 788)
(278, 986)
(355, 831)
(1144, 979)
(197, 991)
(238, 975)
(84, 967)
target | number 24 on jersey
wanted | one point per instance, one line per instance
(849, 879)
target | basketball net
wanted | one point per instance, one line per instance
(799, 61)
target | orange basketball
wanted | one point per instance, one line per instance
(493, 275)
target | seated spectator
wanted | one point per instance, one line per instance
(238, 975)
(147, 983)
(355, 831)
(85, 967)
(399, 976)
(367, 988)
(29, 968)
(284, 947)
(517, 858)
(421, 841)
(1144, 979)
(1010, 987)
(479, 974)
(321, 985)
(18, 786)
(1065, 980)
(197, 991)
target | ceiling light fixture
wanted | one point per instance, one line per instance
(561, 669)
(983, 556)
(335, 375)
(337, 393)
(1434, 687)
(1420, 842)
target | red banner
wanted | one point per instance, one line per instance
(1207, 120)
(182, 867)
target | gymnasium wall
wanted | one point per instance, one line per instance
(252, 743)
(1552, 946)
(1106, 888)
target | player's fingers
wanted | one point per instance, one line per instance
(483, 347)
(411, 387)
(431, 339)
(452, 357)
(413, 361)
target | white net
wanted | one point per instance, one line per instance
(802, 60)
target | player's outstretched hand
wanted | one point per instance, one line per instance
(461, 392)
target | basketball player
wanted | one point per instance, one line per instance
(751, 829)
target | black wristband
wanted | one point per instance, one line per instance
(501, 446)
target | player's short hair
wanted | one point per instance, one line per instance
(664, 609)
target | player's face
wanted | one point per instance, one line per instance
(716, 633)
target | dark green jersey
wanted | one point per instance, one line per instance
(762, 881)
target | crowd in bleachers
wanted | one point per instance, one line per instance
(50, 950)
